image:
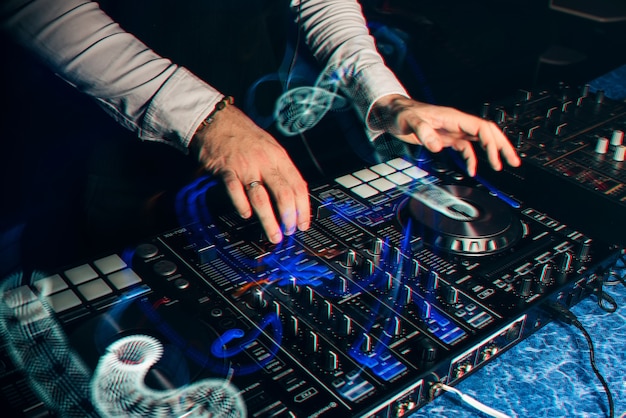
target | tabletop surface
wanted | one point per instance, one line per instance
(549, 374)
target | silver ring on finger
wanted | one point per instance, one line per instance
(253, 185)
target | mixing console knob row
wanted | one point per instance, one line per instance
(313, 343)
(258, 299)
(544, 278)
(620, 150)
(342, 285)
(525, 285)
(602, 146)
(345, 325)
(450, 295)
(331, 361)
(327, 310)
(564, 264)
(584, 248)
(408, 295)
(484, 110)
(545, 274)
(294, 326)
(617, 138)
(423, 309)
(431, 281)
(366, 346)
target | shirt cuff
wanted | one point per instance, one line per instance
(371, 84)
(178, 109)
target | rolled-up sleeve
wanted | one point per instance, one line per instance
(143, 91)
(338, 36)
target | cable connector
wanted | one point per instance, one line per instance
(561, 313)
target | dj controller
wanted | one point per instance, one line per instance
(411, 274)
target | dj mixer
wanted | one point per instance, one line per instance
(411, 274)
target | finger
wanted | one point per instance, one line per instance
(260, 202)
(510, 154)
(286, 206)
(290, 193)
(467, 152)
(489, 137)
(428, 137)
(237, 194)
(303, 207)
(493, 140)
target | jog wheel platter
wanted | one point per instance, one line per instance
(476, 224)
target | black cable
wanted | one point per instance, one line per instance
(568, 317)
(605, 301)
(292, 65)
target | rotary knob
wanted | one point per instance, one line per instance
(427, 351)
(484, 110)
(345, 325)
(312, 344)
(450, 295)
(431, 281)
(258, 299)
(618, 155)
(393, 326)
(407, 295)
(617, 138)
(564, 264)
(366, 344)
(350, 263)
(544, 277)
(326, 310)
(294, 326)
(602, 146)
(331, 361)
(525, 285)
(165, 268)
(423, 309)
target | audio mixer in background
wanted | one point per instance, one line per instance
(572, 145)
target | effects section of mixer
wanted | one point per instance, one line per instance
(571, 141)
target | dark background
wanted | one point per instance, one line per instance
(74, 184)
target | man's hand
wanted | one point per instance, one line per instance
(437, 127)
(255, 169)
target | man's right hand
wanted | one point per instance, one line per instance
(256, 171)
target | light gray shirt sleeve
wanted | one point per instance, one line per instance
(143, 91)
(158, 99)
(338, 36)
